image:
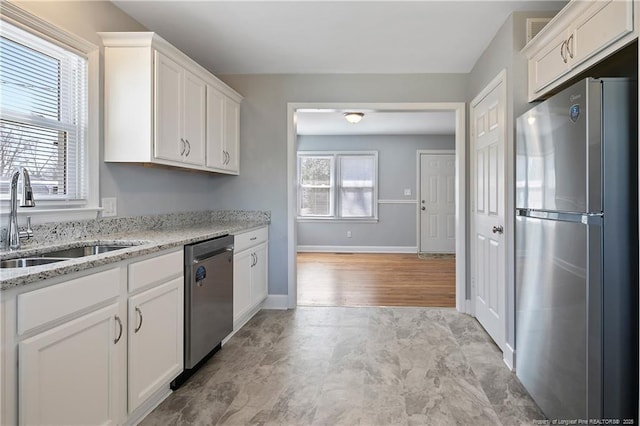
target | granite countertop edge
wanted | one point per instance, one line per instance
(143, 242)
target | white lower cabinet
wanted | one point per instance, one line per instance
(155, 340)
(94, 348)
(241, 283)
(259, 274)
(68, 375)
(250, 274)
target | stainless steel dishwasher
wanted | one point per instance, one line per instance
(208, 300)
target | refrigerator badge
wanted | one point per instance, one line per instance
(574, 112)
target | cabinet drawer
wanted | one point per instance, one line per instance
(37, 308)
(249, 239)
(155, 270)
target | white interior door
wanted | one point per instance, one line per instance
(488, 247)
(437, 203)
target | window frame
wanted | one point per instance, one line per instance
(336, 186)
(56, 210)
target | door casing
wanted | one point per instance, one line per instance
(459, 108)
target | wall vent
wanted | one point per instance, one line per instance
(534, 25)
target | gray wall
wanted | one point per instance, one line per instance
(139, 190)
(396, 171)
(262, 183)
(504, 53)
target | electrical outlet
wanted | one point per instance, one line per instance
(407, 192)
(109, 207)
(348, 234)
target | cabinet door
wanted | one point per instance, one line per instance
(155, 339)
(232, 134)
(259, 272)
(194, 118)
(550, 64)
(69, 375)
(216, 157)
(168, 109)
(242, 262)
(604, 24)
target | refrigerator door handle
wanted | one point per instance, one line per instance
(584, 218)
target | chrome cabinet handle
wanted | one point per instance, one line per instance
(224, 158)
(254, 260)
(570, 46)
(183, 146)
(562, 54)
(497, 229)
(117, 339)
(188, 147)
(140, 315)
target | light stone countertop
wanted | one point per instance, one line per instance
(164, 234)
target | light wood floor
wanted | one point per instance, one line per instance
(345, 279)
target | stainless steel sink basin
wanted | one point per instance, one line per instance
(60, 255)
(26, 262)
(82, 251)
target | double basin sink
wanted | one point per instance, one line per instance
(60, 255)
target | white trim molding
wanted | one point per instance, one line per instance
(356, 249)
(397, 201)
(459, 108)
(509, 356)
(276, 301)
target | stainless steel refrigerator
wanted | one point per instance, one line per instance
(577, 251)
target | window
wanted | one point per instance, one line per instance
(337, 185)
(44, 116)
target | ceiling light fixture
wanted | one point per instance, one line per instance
(353, 117)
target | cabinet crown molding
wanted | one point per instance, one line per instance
(154, 41)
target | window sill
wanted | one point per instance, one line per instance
(336, 220)
(39, 216)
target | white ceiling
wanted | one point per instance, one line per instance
(272, 37)
(331, 122)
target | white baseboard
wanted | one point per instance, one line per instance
(276, 301)
(508, 356)
(357, 249)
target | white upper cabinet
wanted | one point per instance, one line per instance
(161, 107)
(223, 131)
(578, 37)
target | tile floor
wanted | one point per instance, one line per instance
(350, 366)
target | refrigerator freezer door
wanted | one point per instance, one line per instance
(551, 153)
(551, 314)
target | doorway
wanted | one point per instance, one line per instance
(458, 110)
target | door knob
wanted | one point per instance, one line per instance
(423, 208)
(498, 229)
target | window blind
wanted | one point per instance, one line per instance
(43, 115)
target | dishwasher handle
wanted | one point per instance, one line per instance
(204, 257)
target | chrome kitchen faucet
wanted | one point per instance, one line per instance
(12, 240)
